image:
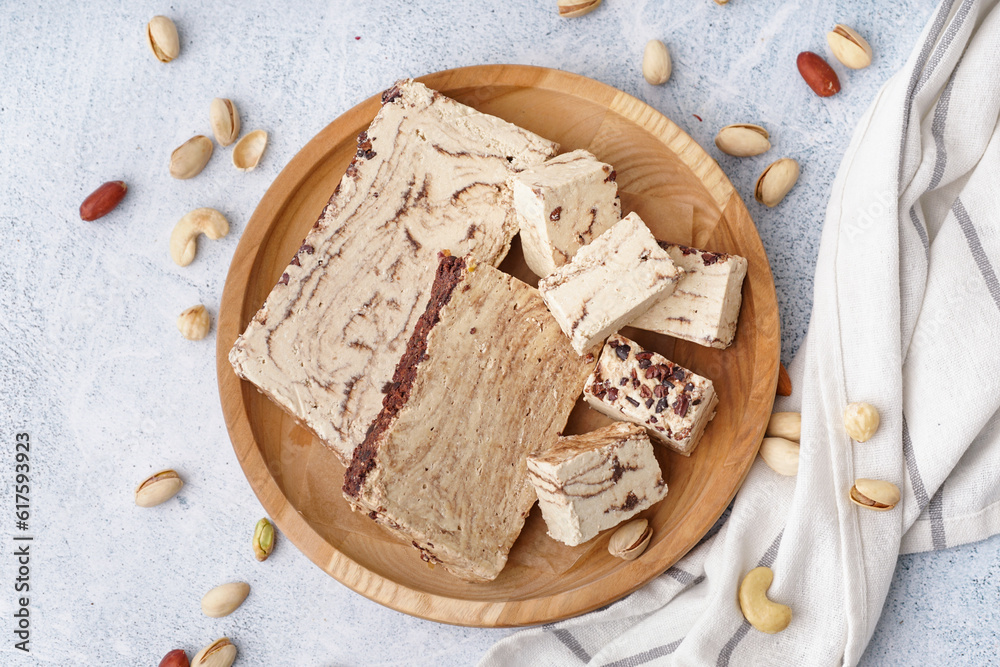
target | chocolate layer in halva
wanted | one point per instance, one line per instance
(487, 379)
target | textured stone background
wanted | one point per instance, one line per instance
(92, 365)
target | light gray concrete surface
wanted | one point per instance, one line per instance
(91, 364)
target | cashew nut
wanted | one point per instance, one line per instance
(766, 616)
(184, 238)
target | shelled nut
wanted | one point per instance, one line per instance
(225, 599)
(656, 65)
(781, 455)
(786, 425)
(194, 323)
(861, 420)
(762, 613)
(184, 238)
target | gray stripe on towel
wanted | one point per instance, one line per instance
(946, 40)
(936, 512)
(570, 642)
(942, 15)
(976, 247)
(646, 656)
(916, 481)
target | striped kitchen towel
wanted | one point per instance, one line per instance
(906, 316)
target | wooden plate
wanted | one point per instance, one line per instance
(681, 193)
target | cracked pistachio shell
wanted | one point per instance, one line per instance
(158, 488)
(162, 39)
(874, 494)
(263, 539)
(190, 158)
(776, 181)
(220, 653)
(225, 120)
(569, 9)
(630, 540)
(248, 150)
(849, 47)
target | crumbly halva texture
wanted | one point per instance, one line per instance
(562, 205)
(591, 482)
(705, 307)
(430, 174)
(609, 283)
(635, 385)
(487, 379)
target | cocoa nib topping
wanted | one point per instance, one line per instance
(555, 214)
(646, 355)
(472, 330)
(635, 383)
(710, 258)
(679, 373)
(686, 250)
(391, 95)
(661, 405)
(696, 401)
(284, 279)
(611, 177)
(363, 137)
(612, 394)
(295, 261)
(631, 400)
(622, 351)
(660, 391)
(681, 405)
(307, 249)
(652, 419)
(613, 343)
(644, 391)
(688, 387)
(649, 403)
(645, 363)
(623, 382)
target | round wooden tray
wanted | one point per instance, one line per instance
(681, 193)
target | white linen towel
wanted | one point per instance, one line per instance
(906, 316)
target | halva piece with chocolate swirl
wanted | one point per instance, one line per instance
(609, 283)
(635, 385)
(705, 307)
(487, 379)
(562, 205)
(430, 174)
(591, 482)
